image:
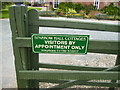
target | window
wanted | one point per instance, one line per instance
(51, 3)
(96, 4)
(56, 3)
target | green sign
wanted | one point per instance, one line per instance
(60, 44)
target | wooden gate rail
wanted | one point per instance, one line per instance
(25, 23)
(97, 46)
(75, 25)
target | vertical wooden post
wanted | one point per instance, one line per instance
(34, 58)
(18, 29)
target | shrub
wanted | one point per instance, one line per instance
(64, 7)
(82, 12)
(66, 4)
(69, 4)
(60, 12)
(52, 9)
(71, 11)
(92, 7)
(88, 8)
(61, 5)
(87, 16)
(78, 7)
(111, 10)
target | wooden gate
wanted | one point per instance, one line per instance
(25, 23)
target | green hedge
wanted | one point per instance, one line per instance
(65, 6)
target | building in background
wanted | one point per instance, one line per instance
(99, 4)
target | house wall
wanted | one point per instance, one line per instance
(86, 2)
(102, 4)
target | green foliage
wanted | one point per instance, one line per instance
(78, 7)
(66, 4)
(70, 5)
(71, 11)
(52, 9)
(63, 6)
(88, 8)
(4, 13)
(47, 13)
(92, 7)
(58, 10)
(6, 4)
(4, 10)
(111, 10)
(34, 8)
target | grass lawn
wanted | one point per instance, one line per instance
(4, 12)
(34, 8)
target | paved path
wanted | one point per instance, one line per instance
(0, 55)
(83, 20)
(8, 70)
(96, 35)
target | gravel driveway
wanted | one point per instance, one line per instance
(91, 59)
